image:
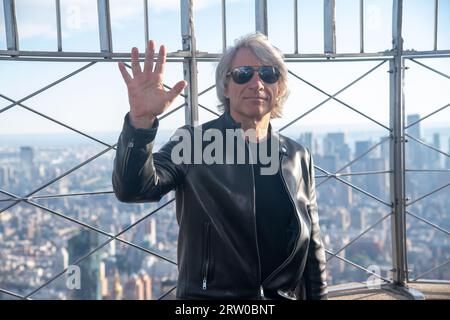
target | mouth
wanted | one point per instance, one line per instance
(256, 98)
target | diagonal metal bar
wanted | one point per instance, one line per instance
(206, 90)
(430, 68)
(171, 111)
(428, 194)
(71, 195)
(359, 236)
(340, 101)
(96, 249)
(200, 105)
(357, 266)
(167, 293)
(329, 98)
(427, 116)
(362, 173)
(427, 145)
(431, 270)
(59, 177)
(207, 109)
(63, 216)
(358, 158)
(48, 86)
(353, 186)
(334, 97)
(429, 223)
(55, 121)
(12, 294)
(50, 196)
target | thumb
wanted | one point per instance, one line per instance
(176, 90)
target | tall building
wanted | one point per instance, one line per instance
(3, 182)
(363, 146)
(117, 291)
(415, 157)
(147, 282)
(103, 281)
(415, 130)
(150, 232)
(434, 157)
(78, 246)
(138, 287)
(334, 144)
(447, 159)
(306, 139)
(362, 181)
(27, 156)
(61, 262)
(134, 288)
(377, 184)
(27, 163)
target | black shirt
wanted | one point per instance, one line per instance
(275, 218)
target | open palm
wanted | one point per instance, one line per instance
(146, 93)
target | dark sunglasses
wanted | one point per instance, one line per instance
(243, 74)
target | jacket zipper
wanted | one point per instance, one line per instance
(206, 257)
(261, 289)
(299, 227)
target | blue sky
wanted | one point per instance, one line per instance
(96, 99)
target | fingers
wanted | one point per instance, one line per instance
(176, 90)
(125, 75)
(149, 52)
(159, 68)
(135, 67)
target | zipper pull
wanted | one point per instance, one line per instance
(131, 144)
(261, 291)
(204, 284)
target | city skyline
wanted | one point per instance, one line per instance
(60, 219)
(343, 216)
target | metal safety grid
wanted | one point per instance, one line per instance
(189, 56)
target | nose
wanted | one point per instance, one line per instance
(256, 82)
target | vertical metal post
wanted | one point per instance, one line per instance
(146, 22)
(261, 16)
(12, 36)
(436, 12)
(58, 24)
(104, 25)
(189, 63)
(397, 150)
(329, 26)
(296, 26)
(224, 26)
(361, 26)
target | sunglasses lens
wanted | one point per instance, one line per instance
(242, 75)
(269, 74)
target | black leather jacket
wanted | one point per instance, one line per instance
(217, 244)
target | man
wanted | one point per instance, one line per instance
(246, 231)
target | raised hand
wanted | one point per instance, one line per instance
(146, 93)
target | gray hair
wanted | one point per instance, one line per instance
(264, 51)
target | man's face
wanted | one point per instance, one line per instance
(252, 100)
